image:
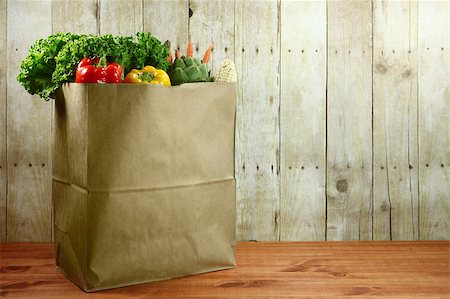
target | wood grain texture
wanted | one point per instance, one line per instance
(29, 208)
(257, 133)
(349, 117)
(264, 270)
(78, 16)
(168, 20)
(212, 22)
(303, 120)
(3, 163)
(395, 147)
(120, 17)
(280, 110)
(434, 119)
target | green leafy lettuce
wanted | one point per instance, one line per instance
(37, 68)
(150, 51)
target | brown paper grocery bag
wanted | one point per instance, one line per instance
(143, 182)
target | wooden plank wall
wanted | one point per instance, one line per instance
(434, 119)
(28, 124)
(303, 120)
(257, 146)
(395, 147)
(349, 121)
(343, 116)
(3, 76)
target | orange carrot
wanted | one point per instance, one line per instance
(189, 51)
(207, 54)
(177, 54)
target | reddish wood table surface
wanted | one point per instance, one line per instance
(265, 269)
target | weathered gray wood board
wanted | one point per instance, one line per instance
(257, 144)
(168, 20)
(434, 119)
(395, 147)
(3, 176)
(29, 208)
(120, 17)
(349, 117)
(75, 16)
(303, 120)
(342, 119)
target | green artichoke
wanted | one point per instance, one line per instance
(188, 70)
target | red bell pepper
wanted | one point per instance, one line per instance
(98, 71)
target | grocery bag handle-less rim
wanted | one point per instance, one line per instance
(85, 191)
(184, 85)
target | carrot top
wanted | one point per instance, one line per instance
(207, 54)
(190, 50)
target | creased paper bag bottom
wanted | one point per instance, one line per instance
(141, 236)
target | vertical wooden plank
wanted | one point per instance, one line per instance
(212, 22)
(78, 16)
(395, 189)
(349, 114)
(303, 119)
(257, 145)
(120, 17)
(168, 20)
(3, 71)
(29, 130)
(434, 119)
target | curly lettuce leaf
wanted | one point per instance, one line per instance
(37, 68)
(150, 51)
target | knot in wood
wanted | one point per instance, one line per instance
(342, 185)
(381, 68)
(406, 73)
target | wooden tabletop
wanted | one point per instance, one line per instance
(265, 269)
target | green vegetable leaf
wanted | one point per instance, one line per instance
(37, 68)
(150, 51)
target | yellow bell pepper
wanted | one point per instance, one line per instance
(148, 75)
